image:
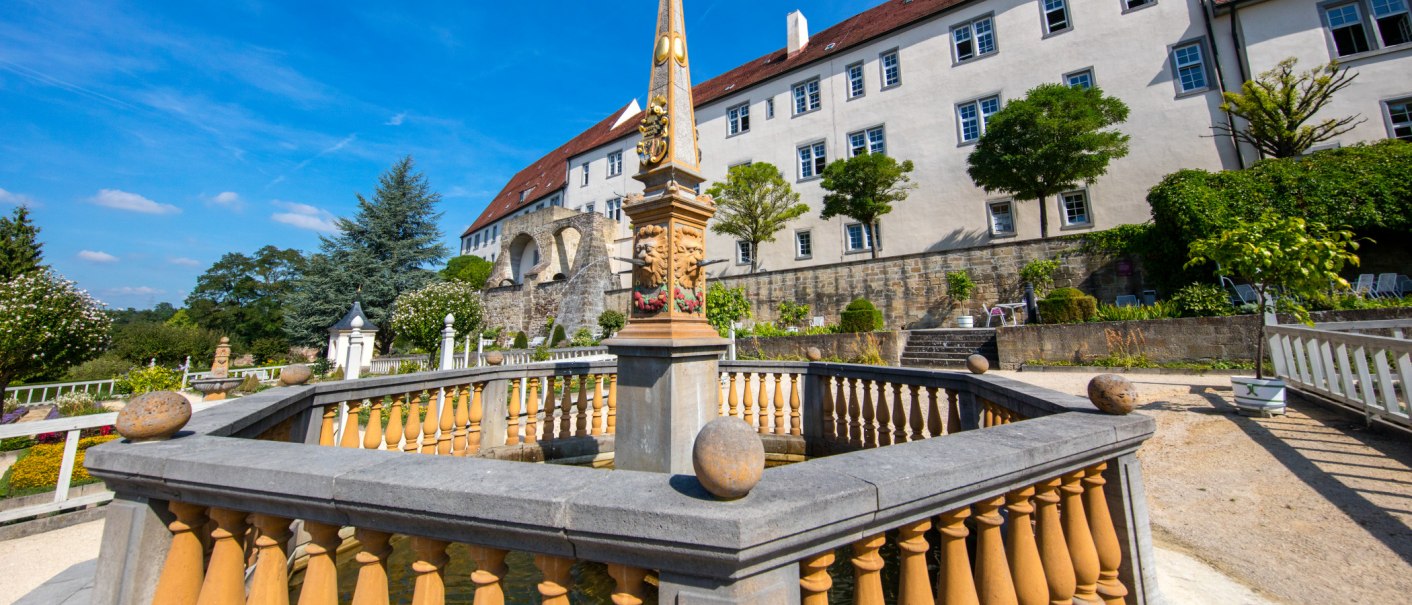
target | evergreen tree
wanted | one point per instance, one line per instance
(20, 251)
(377, 255)
(753, 204)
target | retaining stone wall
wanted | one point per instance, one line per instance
(841, 346)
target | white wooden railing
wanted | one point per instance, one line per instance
(28, 395)
(1371, 374)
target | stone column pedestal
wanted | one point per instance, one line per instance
(667, 391)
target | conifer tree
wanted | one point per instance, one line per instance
(378, 254)
(20, 250)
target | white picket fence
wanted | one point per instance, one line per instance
(1369, 373)
(37, 394)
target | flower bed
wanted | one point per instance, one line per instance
(38, 470)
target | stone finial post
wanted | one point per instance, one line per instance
(353, 367)
(220, 367)
(448, 344)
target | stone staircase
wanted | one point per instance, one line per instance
(949, 348)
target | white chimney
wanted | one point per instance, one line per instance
(798, 32)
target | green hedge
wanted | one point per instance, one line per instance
(1067, 305)
(860, 316)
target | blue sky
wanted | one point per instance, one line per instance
(150, 138)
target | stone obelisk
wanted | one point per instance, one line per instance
(668, 384)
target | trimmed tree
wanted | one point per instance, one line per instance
(1053, 140)
(20, 250)
(1280, 255)
(1277, 105)
(864, 188)
(753, 204)
(46, 325)
(468, 269)
(421, 314)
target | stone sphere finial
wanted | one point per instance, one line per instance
(495, 358)
(813, 354)
(295, 374)
(153, 416)
(729, 458)
(977, 364)
(225, 340)
(1113, 394)
(357, 323)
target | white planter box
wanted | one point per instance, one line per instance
(1265, 397)
(965, 321)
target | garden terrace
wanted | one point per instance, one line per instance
(891, 453)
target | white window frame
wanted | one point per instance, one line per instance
(1130, 6)
(803, 244)
(874, 141)
(808, 96)
(615, 163)
(613, 209)
(1392, 124)
(1048, 7)
(1368, 20)
(973, 33)
(583, 180)
(743, 251)
(589, 208)
(1088, 71)
(477, 239)
(1009, 205)
(1175, 59)
(1064, 199)
(866, 236)
(982, 118)
(857, 82)
(895, 55)
(738, 119)
(1405, 11)
(812, 166)
(770, 108)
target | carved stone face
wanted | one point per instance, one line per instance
(651, 249)
(691, 250)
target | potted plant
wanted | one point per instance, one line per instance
(959, 287)
(1283, 258)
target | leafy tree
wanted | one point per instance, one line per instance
(245, 297)
(20, 250)
(1278, 103)
(725, 306)
(1049, 142)
(378, 255)
(421, 314)
(611, 321)
(46, 325)
(753, 204)
(162, 312)
(863, 188)
(468, 269)
(141, 342)
(1282, 256)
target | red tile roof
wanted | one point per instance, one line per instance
(550, 172)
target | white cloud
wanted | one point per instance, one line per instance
(97, 257)
(397, 119)
(15, 199)
(304, 216)
(185, 262)
(131, 202)
(226, 198)
(134, 291)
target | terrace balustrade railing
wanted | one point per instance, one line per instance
(895, 451)
(390, 365)
(1370, 374)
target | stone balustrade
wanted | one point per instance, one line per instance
(188, 510)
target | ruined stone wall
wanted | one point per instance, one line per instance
(911, 290)
(567, 284)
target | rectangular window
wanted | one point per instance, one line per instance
(769, 109)
(589, 208)
(871, 140)
(614, 208)
(1080, 79)
(859, 237)
(803, 244)
(1074, 205)
(743, 254)
(891, 69)
(1134, 4)
(856, 85)
(1399, 119)
(1002, 218)
(973, 39)
(1394, 26)
(974, 115)
(583, 179)
(806, 97)
(615, 163)
(738, 119)
(1346, 25)
(1056, 15)
(1190, 67)
(478, 240)
(812, 160)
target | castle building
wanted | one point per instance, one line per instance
(918, 80)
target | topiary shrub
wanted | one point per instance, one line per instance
(39, 468)
(1202, 300)
(1066, 306)
(559, 336)
(611, 321)
(521, 340)
(860, 316)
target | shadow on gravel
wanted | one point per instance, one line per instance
(1325, 469)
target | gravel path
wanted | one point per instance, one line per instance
(26, 563)
(1296, 507)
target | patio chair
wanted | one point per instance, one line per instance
(992, 313)
(1126, 300)
(1404, 285)
(1365, 285)
(817, 321)
(1230, 286)
(1247, 295)
(1387, 286)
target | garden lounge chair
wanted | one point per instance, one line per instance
(1387, 286)
(536, 341)
(1404, 285)
(1247, 295)
(1364, 285)
(1126, 300)
(992, 313)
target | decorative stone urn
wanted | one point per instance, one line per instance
(215, 389)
